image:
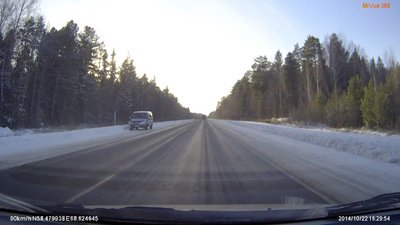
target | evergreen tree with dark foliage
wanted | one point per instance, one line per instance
(291, 79)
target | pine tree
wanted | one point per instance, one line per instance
(66, 104)
(104, 89)
(260, 82)
(393, 84)
(59, 69)
(277, 70)
(357, 66)
(354, 95)
(381, 71)
(309, 56)
(24, 75)
(318, 107)
(7, 99)
(385, 107)
(45, 78)
(338, 58)
(90, 50)
(127, 76)
(291, 78)
(368, 105)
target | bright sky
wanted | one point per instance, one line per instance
(200, 48)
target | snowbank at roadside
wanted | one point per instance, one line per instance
(370, 145)
(5, 131)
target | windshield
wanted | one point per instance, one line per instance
(257, 105)
(139, 116)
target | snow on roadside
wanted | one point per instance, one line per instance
(369, 145)
(30, 147)
(5, 131)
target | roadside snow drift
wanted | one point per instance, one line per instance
(373, 146)
(5, 131)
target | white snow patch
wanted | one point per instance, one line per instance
(30, 147)
(373, 145)
(5, 131)
(20, 132)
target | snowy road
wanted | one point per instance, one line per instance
(202, 162)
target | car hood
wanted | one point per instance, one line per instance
(207, 214)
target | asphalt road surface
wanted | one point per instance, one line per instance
(194, 163)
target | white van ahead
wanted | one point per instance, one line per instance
(141, 119)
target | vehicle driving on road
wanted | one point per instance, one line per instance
(141, 119)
